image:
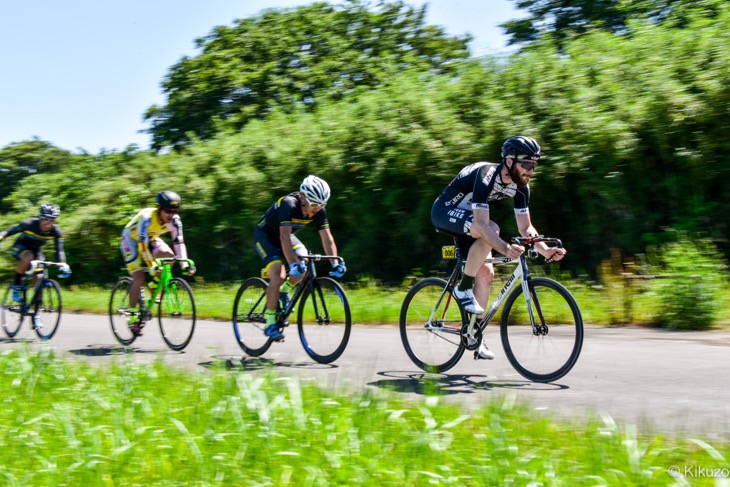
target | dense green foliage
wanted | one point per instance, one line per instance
(64, 423)
(635, 129)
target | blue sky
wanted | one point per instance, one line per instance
(81, 74)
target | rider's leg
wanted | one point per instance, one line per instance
(138, 277)
(22, 265)
(277, 274)
(482, 284)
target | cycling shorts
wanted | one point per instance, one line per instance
(19, 250)
(455, 222)
(270, 251)
(132, 257)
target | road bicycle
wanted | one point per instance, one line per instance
(541, 325)
(44, 307)
(173, 298)
(323, 314)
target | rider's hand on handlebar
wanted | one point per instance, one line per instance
(514, 251)
(189, 271)
(338, 270)
(557, 254)
(64, 271)
(296, 269)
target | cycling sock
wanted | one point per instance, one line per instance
(18, 279)
(467, 282)
(286, 287)
(270, 315)
(133, 317)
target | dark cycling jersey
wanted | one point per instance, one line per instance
(473, 188)
(32, 238)
(478, 184)
(287, 212)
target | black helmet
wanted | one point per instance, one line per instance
(520, 146)
(49, 211)
(167, 199)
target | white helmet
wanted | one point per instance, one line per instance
(316, 190)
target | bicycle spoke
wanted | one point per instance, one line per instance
(249, 320)
(48, 310)
(176, 314)
(119, 311)
(324, 320)
(548, 351)
(11, 315)
(434, 346)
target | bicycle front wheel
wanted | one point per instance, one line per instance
(549, 352)
(48, 309)
(430, 326)
(11, 313)
(249, 319)
(119, 311)
(176, 314)
(324, 320)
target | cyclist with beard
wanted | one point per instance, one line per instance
(462, 210)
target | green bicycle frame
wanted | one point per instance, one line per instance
(165, 279)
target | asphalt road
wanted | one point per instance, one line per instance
(669, 382)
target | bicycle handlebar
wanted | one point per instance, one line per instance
(172, 260)
(316, 257)
(37, 266)
(531, 241)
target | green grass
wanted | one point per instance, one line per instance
(375, 304)
(67, 423)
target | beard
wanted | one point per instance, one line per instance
(520, 181)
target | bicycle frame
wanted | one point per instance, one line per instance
(307, 281)
(38, 268)
(520, 275)
(164, 282)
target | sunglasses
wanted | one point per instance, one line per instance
(528, 165)
(47, 218)
(170, 211)
(316, 206)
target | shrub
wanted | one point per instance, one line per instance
(690, 296)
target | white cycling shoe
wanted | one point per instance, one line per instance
(484, 353)
(468, 301)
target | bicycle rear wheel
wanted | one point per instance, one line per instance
(11, 313)
(249, 320)
(119, 311)
(324, 320)
(48, 309)
(430, 326)
(550, 354)
(176, 314)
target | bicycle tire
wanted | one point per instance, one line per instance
(119, 311)
(249, 319)
(11, 313)
(548, 357)
(324, 320)
(438, 346)
(48, 309)
(176, 314)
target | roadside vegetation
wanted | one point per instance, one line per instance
(682, 290)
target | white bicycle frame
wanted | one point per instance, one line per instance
(518, 275)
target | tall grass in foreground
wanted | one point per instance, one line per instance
(66, 423)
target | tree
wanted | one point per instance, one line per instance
(22, 159)
(562, 19)
(288, 58)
